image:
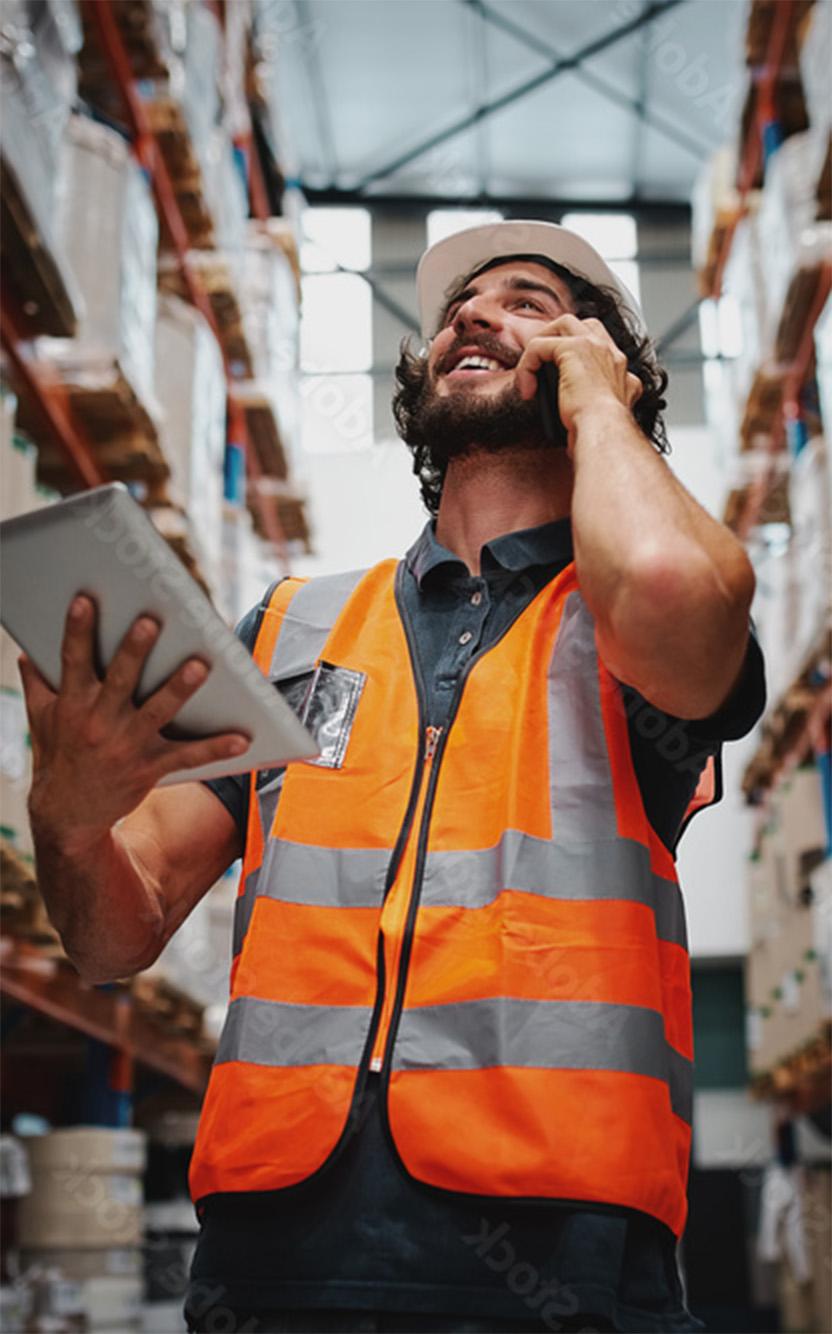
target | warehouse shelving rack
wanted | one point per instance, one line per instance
(802, 729)
(34, 974)
(797, 724)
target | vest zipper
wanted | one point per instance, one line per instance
(436, 744)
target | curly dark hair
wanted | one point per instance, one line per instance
(591, 302)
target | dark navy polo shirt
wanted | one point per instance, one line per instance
(363, 1234)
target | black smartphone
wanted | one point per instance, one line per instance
(547, 397)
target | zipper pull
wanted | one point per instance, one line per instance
(432, 741)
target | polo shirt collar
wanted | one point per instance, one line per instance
(546, 544)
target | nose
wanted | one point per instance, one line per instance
(480, 311)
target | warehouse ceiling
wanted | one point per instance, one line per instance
(573, 100)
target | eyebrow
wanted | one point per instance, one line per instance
(510, 284)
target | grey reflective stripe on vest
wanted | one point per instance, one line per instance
(279, 1033)
(304, 629)
(307, 621)
(580, 781)
(612, 869)
(323, 877)
(547, 1035)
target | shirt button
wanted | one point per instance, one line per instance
(465, 637)
(476, 599)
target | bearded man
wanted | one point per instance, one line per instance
(454, 1088)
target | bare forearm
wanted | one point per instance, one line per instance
(661, 576)
(101, 900)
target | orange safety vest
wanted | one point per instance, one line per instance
(481, 913)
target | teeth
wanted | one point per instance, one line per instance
(478, 363)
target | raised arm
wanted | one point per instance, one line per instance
(119, 864)
(670, 588)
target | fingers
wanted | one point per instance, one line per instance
(536, 351)
(192, 754)
(78, 647)
(125, 669)
(164, 704)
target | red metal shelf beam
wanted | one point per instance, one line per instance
(110, 1016)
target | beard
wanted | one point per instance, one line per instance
(463, 422)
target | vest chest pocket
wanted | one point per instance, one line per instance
(325, 701)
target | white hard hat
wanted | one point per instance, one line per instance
(455, 256)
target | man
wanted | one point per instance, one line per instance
(454, 1087)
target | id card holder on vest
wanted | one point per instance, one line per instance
(329, 711)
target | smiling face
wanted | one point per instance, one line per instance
(467, 399)
(487, 325)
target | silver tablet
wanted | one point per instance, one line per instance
(102, 543)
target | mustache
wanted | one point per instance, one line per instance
(486, 345)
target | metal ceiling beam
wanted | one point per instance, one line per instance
(668, 211)
(479, 50)
(679, 326)
(595, 81)
(317, 84)
(560, 66)
(640, 110)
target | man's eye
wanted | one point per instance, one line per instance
(529, 301)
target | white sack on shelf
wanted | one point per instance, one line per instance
(190, 387)
(108, 228)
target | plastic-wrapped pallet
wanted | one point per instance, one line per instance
(815, 64)
(190, 387)
(225, 195)
(787, 210)
(38, 76)
(784, 980)
(810, 506)
(246, 569)
(715, 203)
(744, 283)
(108, 227)
(268, 296)
(823, 364)
(775, 612)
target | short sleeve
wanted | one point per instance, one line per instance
(669, 753)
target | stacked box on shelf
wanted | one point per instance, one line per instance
(108, 226)
(190, 386)
(784, 982)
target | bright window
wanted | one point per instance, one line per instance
(333, 237)
(612, 234)
(336, 323)
(336, 331)
(444, 222)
